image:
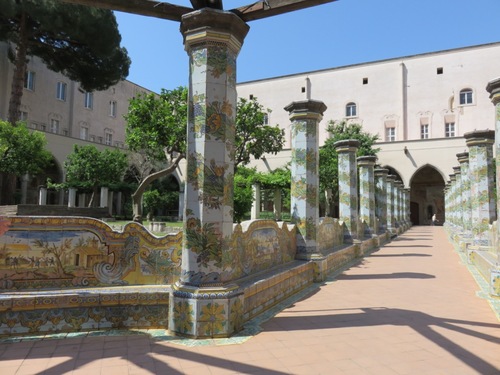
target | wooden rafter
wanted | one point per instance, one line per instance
(158, 9)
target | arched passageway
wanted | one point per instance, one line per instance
(427, 196)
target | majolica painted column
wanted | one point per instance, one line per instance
(407, 207)
(277, 204)
(348, 186)
(255, 213)
(205, 302)
(463, 159)
(493, 88)
(381, 198)
(480, 144)
(305, 117)
(458, 199)
(390, 204)
(453, 200)
(366, 166)
(398, 185)
(71, 197)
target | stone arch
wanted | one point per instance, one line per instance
(427, 195)
(393, 171)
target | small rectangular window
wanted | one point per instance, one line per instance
(390, 134)
(23, 116)
(109, 139)
(61, 91)
(266, 119)
(303, 89)
(54, 126)
(449, 129)
(350, 110)
(424, 131)
(439, 70)
(29, 80)
(84, 133)
(112, 108)
(89, 100)
(251, 96)
(466, 97)
(365, 81)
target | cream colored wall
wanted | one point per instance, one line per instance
(403, 90)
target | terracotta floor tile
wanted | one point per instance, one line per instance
(411, 307)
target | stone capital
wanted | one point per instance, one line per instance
(369, 160)
(493, 87)
(463, 157)
(380, 172)
(347, 145)
(212, 25)
(480, 137)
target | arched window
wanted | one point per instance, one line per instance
(350, 110)
(466, 96)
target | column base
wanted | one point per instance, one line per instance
(205, 312)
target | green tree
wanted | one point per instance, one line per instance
(87, 168)
(156, 129)
(328, 157)
(22, 151)
(254, 137)
(81, 42)
(244, 178)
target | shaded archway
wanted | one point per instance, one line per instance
(427, 196)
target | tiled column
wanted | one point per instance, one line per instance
(71, 197)
(447, 208)
(398, 186)
(205, 302)
(366, 166)
(453, 200)
(458, 199)
(381, 198)
(493, 88)
(480, 144)
(104, 198)
(390, 204)
(348, 186)
(305, 117)
(406, 207)
(277, 204)
(463, 159)
(255, 213)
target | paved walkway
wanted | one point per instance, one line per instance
(412, 307)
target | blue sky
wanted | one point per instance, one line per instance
(336, 34)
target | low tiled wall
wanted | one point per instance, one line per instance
(71, 274)
(83, 310)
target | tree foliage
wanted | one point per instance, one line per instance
(328, 157)
(254, 137)
(21, 150)
(89, 169)
(81, 42)
(156, 129)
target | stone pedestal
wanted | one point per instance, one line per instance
(205, 302)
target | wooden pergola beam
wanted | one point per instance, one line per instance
(158, 9)
(148, 8)
(269, 8)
